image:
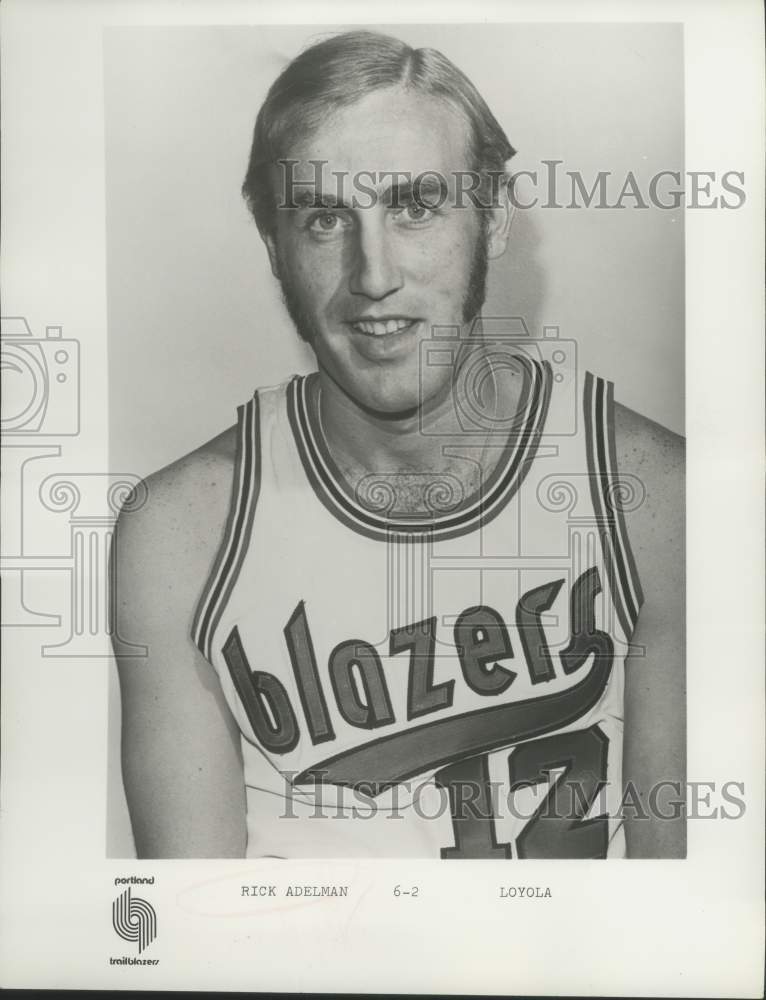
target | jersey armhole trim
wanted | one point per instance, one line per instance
(607, 492)
(239, 524)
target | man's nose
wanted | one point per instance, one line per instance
(375, 271)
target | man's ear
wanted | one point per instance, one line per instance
(271, 247)
(499, 226)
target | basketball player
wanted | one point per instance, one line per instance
(398, 608)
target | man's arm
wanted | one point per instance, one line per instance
(655, 689)
(181, 759)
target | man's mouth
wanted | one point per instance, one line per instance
(382, 327)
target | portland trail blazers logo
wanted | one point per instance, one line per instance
(134, 919)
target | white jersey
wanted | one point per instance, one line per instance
(448, 685)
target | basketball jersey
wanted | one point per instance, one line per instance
(447, 685)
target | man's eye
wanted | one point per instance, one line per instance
(415, 212)
(326, 222)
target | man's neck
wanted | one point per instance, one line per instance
(423, 440)
(361, 439)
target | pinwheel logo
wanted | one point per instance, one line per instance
(134, 919)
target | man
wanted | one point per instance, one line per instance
(373, 626)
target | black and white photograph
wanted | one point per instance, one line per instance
(427, 599)
(382, 439)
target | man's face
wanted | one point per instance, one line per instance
(367, 284)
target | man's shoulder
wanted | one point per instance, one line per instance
(650, 473)
(183, 510)
(204, 466)
(646, 449)
(185, 504)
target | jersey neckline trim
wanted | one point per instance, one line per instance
(332, 490)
